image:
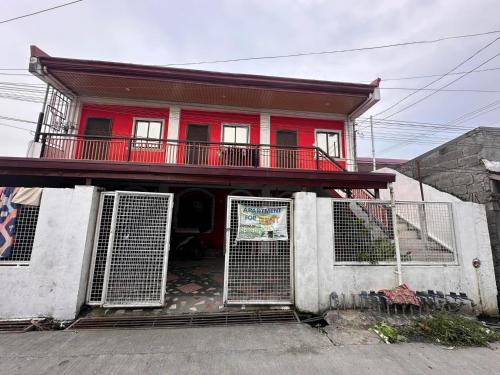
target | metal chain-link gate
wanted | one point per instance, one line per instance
(258, 270)
(129, 264)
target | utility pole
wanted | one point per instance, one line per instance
(374, 162)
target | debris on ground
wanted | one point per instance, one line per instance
(353, 327)
(387, 334)
(453, 330)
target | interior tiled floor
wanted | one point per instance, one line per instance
(193, 286)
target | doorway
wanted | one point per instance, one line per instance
(196, 148)
(286, 155)
(97, 134)
(196, 264)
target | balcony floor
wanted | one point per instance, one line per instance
(16, 171)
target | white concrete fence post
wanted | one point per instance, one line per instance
(306, 273)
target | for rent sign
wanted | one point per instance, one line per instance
(262, 223)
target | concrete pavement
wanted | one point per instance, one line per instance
(290, 349)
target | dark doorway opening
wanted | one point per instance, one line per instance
(97, 134)
(195, 267)
(286, 156)
(196, 148)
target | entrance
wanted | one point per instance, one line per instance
(97, 133)
(259, 253)
(209, 265)
(196, 151)
(286, 156)
(196, 262)
(131, 246)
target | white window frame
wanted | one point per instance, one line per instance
(247, 126)
(338, 132)
(148, 145)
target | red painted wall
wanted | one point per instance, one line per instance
(122, 125)
(214, 121)
(305, 128)
(122, 117)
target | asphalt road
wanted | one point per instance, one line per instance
(279, 349)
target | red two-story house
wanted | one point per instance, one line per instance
(200, 135)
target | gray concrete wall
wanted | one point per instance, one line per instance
(456, 168)
(54, 282)
(472, 241)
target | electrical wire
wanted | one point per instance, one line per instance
(40, 11)
(440, 78)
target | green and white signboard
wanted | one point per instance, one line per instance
(262, 223)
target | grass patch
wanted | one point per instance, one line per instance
(441, 328)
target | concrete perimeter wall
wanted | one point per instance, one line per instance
(54, 283)
(314, 257)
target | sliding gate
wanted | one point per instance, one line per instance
(129, 264)
(258, 251)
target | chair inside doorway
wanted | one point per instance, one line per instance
(195, 274)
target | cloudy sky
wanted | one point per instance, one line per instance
(163, 32)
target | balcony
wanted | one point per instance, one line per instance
(164, 151)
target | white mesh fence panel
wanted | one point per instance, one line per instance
(258, 272)
(364, 232)
(137, 261)
(425, 232)
(101, 243)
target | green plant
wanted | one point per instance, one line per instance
(455, 330)
(387, 333)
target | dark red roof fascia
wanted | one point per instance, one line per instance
(201, 76)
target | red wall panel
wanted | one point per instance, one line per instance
(122, 117)
(215, 120)
(305, 128)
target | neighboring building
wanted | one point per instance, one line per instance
(466, 167)
(365, 164)
(201, 192)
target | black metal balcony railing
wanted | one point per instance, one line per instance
(142, 150)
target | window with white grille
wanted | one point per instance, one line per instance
(329, 142)
(26, 221)
(146, 131)
(233, 133)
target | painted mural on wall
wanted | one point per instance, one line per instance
(262, 223)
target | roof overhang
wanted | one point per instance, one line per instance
(89, 78)
(12, 168)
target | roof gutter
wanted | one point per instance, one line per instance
(373, 98)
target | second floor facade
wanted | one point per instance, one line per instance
(133, 113)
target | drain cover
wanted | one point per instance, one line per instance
(187, 320)
(16, 326)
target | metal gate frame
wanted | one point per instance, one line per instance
(227, 247)
(111, 238)
(94, 251)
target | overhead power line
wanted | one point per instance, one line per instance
(16, 119)
(439, 89)
(358, 49)
(435, 75)
(313, 53)
(40, 11)
(438, 79)
(442, 87)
